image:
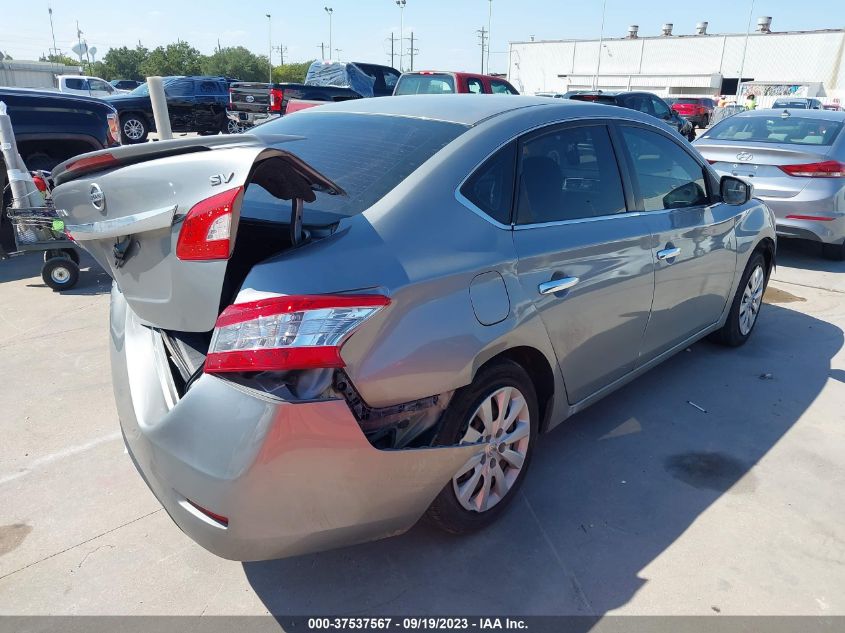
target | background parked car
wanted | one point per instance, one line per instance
(85, 86)
(435, 82)
(696, 110)
(76, 125)
(125, 84)
(645, 102)
(795, 103)
(796, 162)
(251, 103)
(833, 107)
(195, 104)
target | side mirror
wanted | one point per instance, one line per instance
(734, 191)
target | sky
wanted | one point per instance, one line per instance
(444, 30)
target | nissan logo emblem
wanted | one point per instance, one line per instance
(250, 98)
(745, 156)
(98, 198)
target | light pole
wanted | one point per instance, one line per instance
(489, 24)
(744, 50)
(329, 10)
(270, 46)
(601, 43)
(401, 4)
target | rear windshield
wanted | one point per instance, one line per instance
(794, 130)
(610, 99)
(434, 84)
(367, 155)
(801, 105)
(692, 101)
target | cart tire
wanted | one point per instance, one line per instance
(60, 273)
(70, 253)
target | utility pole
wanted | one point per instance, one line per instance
(338, 51)
(483, 35)
(323, 51)
(281, 49)
(489, 26)
(401, 4)
(393, 40)
(744, 51)
(55, 50)
(329, 10)
(270, 46)
(601, 44)
(413, 51)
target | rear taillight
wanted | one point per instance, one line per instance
(276, 96)
(290, 332)
(114, 126)
(711, 161)
(205, 232)
(826, 169)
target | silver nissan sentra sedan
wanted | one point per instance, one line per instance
(372, 311)
(796, 161)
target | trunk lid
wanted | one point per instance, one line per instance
(249, 97)
(128, 213)
(759, 164)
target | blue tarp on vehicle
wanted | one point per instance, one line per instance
(340, 75)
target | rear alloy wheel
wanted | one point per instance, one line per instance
(746, 304)
(60, 273)
(499, 412)
(234, 127)
(133, 128)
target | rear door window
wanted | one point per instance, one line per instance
(435, 83)
(668, 177)
(490, 188)
(74, 83)
(475, 86)
(499, 87)
(569, 174)
(179, 88)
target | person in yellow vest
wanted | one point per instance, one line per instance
(722, 101)
(751, 102)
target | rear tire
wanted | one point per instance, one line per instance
(499, 411)
(746, 305)
(60, 273)
(835, 252)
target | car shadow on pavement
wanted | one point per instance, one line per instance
(806, 255)
(608, 492)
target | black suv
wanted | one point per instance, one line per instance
(643, 102)
(195, 104)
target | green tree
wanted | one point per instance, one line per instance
(124, 63)
(60, 59)
(174, 59)
(291, 73)
(237, 62)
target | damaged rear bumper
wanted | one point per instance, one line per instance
(288, 478)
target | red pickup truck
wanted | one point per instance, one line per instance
(433, 82)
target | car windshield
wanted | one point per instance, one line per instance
(794, 130)
(428, 84)
(366, 155)
(144, 91)
(690, 101)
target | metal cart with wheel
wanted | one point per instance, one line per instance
(39, 229)
(35, 224)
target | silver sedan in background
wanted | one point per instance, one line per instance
(373, 310)
(796, 161)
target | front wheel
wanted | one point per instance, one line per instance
(60, 273)
(133, 128)
(499, 412)
(746, 304)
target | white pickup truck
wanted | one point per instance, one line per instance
(86, 86)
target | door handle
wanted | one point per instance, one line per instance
(668, 253)
(557, 285)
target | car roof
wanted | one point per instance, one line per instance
(54, 94)
(456, 73)
(470, 109)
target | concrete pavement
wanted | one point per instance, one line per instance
(643, 504)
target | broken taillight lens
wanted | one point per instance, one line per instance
(206, 230)
(288, 332)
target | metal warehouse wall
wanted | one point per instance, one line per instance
(693, 64)
(26, 74)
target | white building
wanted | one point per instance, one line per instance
(803, 63)
(26, 74)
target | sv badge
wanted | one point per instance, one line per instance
(221, 179)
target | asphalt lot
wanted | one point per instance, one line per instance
(642, 504)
